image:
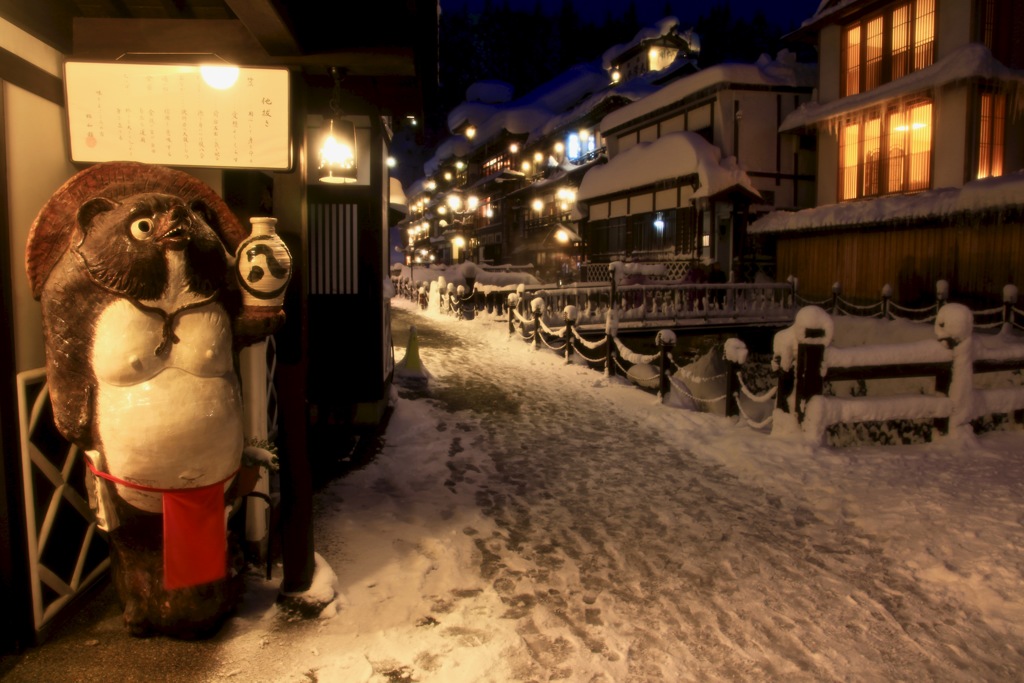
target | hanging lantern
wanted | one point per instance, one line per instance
(338, 151)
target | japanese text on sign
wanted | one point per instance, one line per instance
(168, 114)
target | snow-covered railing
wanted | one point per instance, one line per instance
(653, 371)
(887, 309)
(671, 305)
(806, 361)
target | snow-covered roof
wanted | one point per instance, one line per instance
(565, 98)
(784, 70)
(664, 27)
(397, 199)
(973, 60)
(670, 156)
(523, 116)
(977, 195)
(825, 8)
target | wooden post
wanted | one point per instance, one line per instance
(666, 341)
(809, 381)
(943, 381)
(568, 338)
(732, 387)
(612, 302)
(785, 382)
(536, 327)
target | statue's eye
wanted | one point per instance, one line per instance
(142, 229)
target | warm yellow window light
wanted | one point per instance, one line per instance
(459, 241)
(616, 75)
(526, 167)
(472, 201)
(537, 205)
(538, 158)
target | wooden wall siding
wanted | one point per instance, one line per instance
(976, 261)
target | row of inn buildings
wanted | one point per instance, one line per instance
(895, 159)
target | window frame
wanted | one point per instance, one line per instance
(869, 137)
(870, 53)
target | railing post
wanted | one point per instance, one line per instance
(666, 341)
(512, 300)
(1009, 299)
(809, 381)
(569, 313)
(611, 328)
(735, 352)
(941, 294)
(538, 310)
(835, 297)
(611, 277)
(943, 382)
(886, 301)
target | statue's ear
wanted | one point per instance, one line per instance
(92, 208)
(209, 215)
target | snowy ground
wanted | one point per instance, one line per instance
(529, 520)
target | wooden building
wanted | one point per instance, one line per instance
(920, 151)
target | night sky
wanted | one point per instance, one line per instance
(783, 12)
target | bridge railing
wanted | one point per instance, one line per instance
(807, 362)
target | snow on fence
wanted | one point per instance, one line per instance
(887, 309)
(638, 305)
(655, 371)
(806, 360)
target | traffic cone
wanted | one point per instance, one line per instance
(411, 365)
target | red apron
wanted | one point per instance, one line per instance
(195, 535)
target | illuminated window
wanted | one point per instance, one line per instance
(849, 144)
(872, 156)
(851, 57)
(495, 164)
(573, 148)
(887, 46)
(924, 34)
(886, 155)
(900, 42)
(991, 131)
(660, 57)
(873, 54)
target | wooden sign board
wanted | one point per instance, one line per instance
(169, 114)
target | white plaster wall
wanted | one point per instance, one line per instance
(37, 163)
(829, 51)
(950, 140)
(954, 26)
(828, 167)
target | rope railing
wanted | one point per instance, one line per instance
(655, 304)
(530, 317)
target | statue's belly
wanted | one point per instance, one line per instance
(174, 430)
